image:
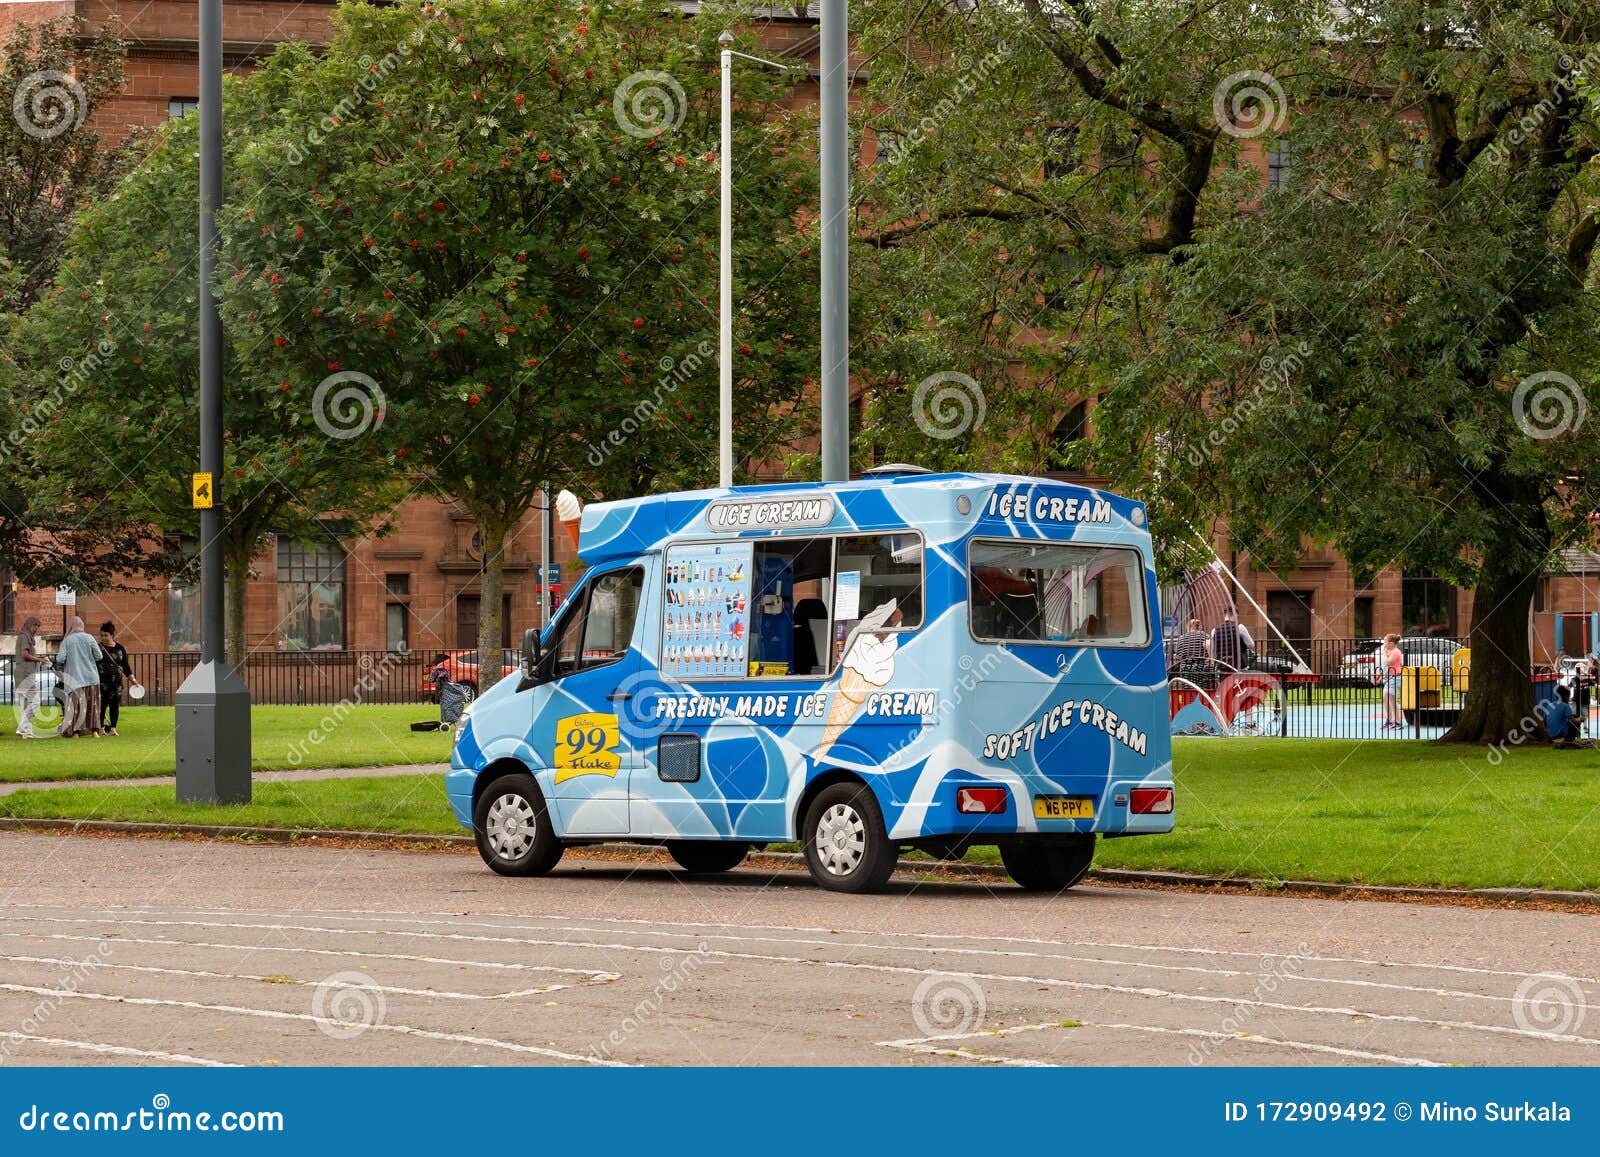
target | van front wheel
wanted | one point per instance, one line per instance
(847, 847)
(1052, 866)
(513, 830)
(705, 857)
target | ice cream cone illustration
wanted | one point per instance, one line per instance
(867, 666)
(570, 511)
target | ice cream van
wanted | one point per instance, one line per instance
(932, 661)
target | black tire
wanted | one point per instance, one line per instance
(1048, 866)
(509, 808)
(706, 857)
(847, 846)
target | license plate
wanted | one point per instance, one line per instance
(1063, 807)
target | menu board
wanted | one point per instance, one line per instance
(707, 617)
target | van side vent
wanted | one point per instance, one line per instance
(678, 758)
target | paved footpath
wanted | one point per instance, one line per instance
(146, 951)
(256, 776)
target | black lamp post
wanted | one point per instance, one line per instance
(213, 704)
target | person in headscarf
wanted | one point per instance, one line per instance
(25, 676)
(80, 675)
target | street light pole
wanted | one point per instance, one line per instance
(725, 301)
(725, 306)
(835, 242)
(213, 704)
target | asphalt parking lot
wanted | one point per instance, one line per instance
(133, 951)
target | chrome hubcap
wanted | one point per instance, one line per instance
(511, 827)
(841, 839)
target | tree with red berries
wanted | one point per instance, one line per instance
(122, 322)
(505, 215)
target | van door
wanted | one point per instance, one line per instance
(591, 661)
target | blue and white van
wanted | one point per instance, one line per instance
(911, 659)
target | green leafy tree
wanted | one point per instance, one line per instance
(1390, 349)
(53, 78)
(504, 216)
(128, 291)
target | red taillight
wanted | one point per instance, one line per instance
(1150, 801)
(981, 800)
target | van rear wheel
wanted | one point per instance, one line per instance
(706, 857)
(847, 846)
(1052, 866)
(513, 830)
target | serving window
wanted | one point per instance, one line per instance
(784, 607)
(1054, 592)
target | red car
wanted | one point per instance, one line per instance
(462, 667)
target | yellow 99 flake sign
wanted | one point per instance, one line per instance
(585, 746)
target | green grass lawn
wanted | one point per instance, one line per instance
(1391, 812)
(280, 737)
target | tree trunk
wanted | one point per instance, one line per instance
(492, 533)
(236, 572)
(1499, 708)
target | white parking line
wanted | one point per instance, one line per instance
(119, 1050)
(445, 994)
(592, 976)
(669, 928)
(931, 1045)
(274, 1014)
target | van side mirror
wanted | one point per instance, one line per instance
(530, 652)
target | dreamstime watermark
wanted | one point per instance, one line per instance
(895, 145)
(948, 404)
(347, 1004)
(676, 970)
(1275, 373)
(1526, 729)
(49, 103)
(1548, 1002)
(674, 373)
(347, 404)
(1249, 103)
(946, 1004)
(1548, 404)
(72, 375)
(649, 104)
(63, 988)
(1575, 76)
(1272, 972)
(373, 675)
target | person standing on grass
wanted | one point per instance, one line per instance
(114, 669)
(1392, 662)
(80, 675)
(25, 676)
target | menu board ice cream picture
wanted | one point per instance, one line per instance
(708, 609)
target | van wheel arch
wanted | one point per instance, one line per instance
(500, 767)
(821, 783)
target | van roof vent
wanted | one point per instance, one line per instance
(894, 470)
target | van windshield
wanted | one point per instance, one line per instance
(1048, 592)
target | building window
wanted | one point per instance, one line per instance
(181, 106)
(1363, 618)
(1427, 606)
(1071, 430)
(8, 601)
(1280, 163)
(397, 612)
(310, 596)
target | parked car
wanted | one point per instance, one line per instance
(1361, 665)
(462, 667)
